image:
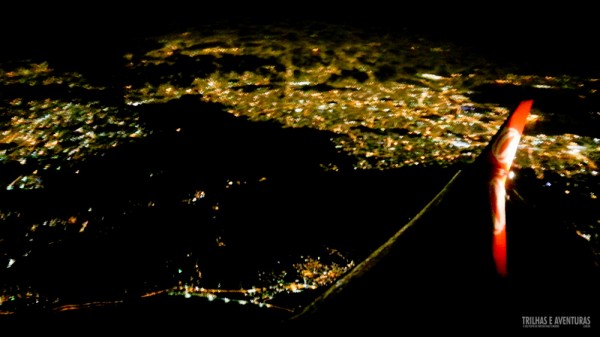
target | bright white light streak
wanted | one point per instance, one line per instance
(432, 77)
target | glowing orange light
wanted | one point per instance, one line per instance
(502, 155)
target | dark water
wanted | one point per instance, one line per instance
(228, 167)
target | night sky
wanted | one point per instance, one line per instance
(559, 36)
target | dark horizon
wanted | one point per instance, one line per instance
(558, 25)
(557, 37)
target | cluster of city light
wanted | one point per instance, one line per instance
(310, 274)
(407, 118)
(41, 73)
(567, 154)
(55, 130)
(50, 132)
(19, 297)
